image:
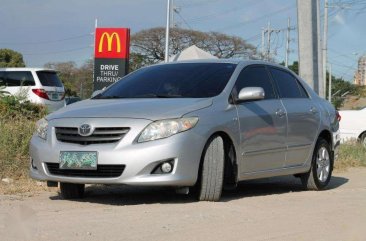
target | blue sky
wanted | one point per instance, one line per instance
(53, 31)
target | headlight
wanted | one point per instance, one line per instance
(41, 128)
(165, 128)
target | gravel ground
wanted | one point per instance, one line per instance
(268, 209)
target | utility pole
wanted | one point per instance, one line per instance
(330, 84)
(308, 42)
(172, 10)
(168, 10)
(322, 78)
(325, 39)
(269, 32)
(288, 40)
(263, 32)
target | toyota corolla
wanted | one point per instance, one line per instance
(200, 124)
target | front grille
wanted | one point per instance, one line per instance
(103, 171)
(99, 136)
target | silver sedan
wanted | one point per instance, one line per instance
(201, 124)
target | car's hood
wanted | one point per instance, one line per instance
(152, 109)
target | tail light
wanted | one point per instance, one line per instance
(63, 96)
(338, 116)
(41, 93)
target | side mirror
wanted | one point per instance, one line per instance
(251, 93)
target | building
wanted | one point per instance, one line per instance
(360, 76)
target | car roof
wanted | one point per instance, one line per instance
(25, 69)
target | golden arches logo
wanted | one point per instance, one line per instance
(110, 38)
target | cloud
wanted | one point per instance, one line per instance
(339, 19)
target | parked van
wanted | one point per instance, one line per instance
(41, 86)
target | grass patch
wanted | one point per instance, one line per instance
(17, 124)
(351, 155)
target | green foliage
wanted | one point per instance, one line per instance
(17, 123)
(351, 155)
(11, 58)
(342, 87)
(3, 92)
(78, 81)
(294, 66)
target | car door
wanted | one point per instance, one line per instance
(302, 114)
(262, 123)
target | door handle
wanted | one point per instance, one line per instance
(313, 110)
(280, 113)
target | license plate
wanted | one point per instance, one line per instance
(54, 96)
(86, 160)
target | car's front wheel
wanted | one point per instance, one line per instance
(72, 190)
(321, 167)
(212, 174)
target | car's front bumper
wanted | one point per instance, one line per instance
(139, 158)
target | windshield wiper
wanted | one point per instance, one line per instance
(108, 97)
(152, 95)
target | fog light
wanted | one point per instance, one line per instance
(32, 165)
(166, 167)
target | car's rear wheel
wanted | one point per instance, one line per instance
(72, 190)
(212, 174)
(321, 167)
(363, 140)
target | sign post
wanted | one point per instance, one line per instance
(111, 53)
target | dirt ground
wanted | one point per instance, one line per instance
(270, 209)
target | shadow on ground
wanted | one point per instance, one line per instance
(127, 195)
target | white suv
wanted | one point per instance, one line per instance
(41, 86)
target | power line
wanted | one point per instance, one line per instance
(48, 41)
(185, 22)
(200, 3)
(240, 24)
(58, 52)
(225, 12)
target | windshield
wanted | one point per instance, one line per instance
(49, 78)
(184, 80)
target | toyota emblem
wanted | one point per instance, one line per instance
(85, 130)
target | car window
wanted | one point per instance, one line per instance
(2, 78)
(255, 76)
(182, 80)
(19, 78)
(49, 78)
(288, 85)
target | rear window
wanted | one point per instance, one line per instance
(49, 78)
(16, 78)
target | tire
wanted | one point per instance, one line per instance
(212, 174)
(363, 140)
(321, 167)
(71, 190)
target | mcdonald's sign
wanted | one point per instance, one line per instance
(111, 53)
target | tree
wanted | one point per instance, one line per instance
(148, 46)
(66, 71)
(78, 81)
(11, 58)
(294, 66)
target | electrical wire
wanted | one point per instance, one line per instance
(58, 52)
(48, 41)
(242, 23)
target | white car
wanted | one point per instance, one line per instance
(40, 86)
(353, 125)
